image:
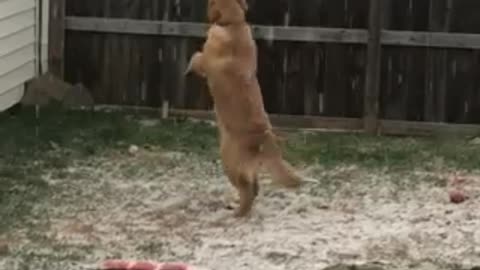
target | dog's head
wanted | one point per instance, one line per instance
(224, 12)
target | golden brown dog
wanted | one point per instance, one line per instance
(229, 63)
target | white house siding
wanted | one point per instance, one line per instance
(19, 38)
(44, 39)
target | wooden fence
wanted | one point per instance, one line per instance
(398, 66)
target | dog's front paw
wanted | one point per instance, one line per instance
(195, 65)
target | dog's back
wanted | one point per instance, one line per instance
(230, 66)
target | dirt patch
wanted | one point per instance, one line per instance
(165, 206)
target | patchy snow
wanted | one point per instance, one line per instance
(171, 207)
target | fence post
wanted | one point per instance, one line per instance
(56, 37)
(372, 79)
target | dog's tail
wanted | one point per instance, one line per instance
(281, 171)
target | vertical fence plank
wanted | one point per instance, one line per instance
(403, 68)
(196, 89)
(394, 87)
(474, 98)
(270, 52)
(117, 9)
(461, 83)
(180, 59)
(56, 44)
(150, 57)
(177, 51)
(106, 80)
(356, 17)
(335, 83)
(186, 11)
(72, 61)
(463, 104)
(94, 60)
(460, 63)
(284, 103)
(436, 64)
(372, 80)
(305, 60)
(136, 88)
(417, 20)
(310, 74)
(167, 56)
(344, 64)
(84, 54)
(283, 70)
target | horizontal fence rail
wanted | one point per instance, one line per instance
(315, 123)
(187, 29)
(277, 33)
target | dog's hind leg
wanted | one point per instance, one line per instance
(246, 185)
(246, 193)
(241, 172)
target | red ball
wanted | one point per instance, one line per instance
(457, 196)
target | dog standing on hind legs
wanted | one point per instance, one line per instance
(228, 61)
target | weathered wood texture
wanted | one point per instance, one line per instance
(432, 84)
(323, 74)
(134, 69)
(372, 76)
(56, 48)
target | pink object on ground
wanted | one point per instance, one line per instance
(144, 265)
(457, 196)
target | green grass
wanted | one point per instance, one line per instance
(64, 136)
(26, 151)
(393, 153)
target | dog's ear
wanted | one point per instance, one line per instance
(243, 4)
(213, 13)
